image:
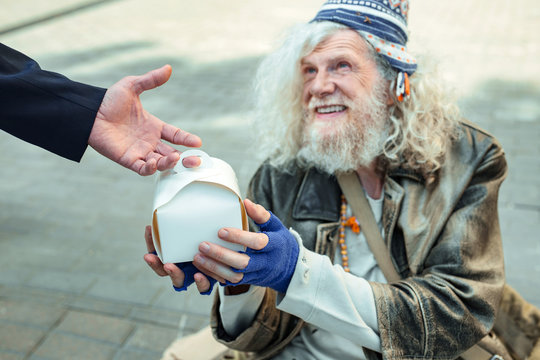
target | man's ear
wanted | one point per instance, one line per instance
(389, 98)
(389, 91)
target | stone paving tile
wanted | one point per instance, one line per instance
(189, 301)
(136, 293)
(15, 275)
(135, 354)
(63, 281)
(162, 317)
(151, 337)
(102, 306)
(19, 338)
(192, 323)
(5, 355)
(171, 300)
(201, 304)
(17, 12)
(26, 313)
(62, 346)
(44, 297)
(95, 326)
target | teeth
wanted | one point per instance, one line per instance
(331, 109)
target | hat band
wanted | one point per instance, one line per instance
(382, 28)
(369, 9)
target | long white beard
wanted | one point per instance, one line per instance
(350, 144)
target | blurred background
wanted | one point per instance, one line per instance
(73, 283)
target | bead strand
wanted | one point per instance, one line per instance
(344, 222)
(342, 245)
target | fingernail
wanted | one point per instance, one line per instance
(204, 247)
(223, 233)
(199, 259)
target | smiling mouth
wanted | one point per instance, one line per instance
(330, 109)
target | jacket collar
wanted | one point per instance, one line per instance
(319, 194)
(318, 197)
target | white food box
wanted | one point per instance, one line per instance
(192, 204)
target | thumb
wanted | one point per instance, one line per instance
(152, 79)
(257, 212)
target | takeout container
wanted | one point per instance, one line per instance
(192, 204)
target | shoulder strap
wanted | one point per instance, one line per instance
(352, 189)
(354, 193)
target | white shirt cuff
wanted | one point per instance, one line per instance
(238, 311)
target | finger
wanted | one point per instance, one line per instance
(177, 276)
(148, 238)
(252, 240)
(144, 168)
(152, 260)
(165, 149)
(202, 282)
(152, 79)
(167, 162)
(211, 274)
(191, 161)
(156, 264)
(170, 160)
(223, 255)
(257, 212)
(177, 136)
(208, 265)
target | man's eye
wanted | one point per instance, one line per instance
(310, 71)
(343, 65)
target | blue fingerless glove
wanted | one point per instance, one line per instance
(189, 270)
(272, 266)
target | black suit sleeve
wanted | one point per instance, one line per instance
(45, 108)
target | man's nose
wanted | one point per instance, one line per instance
(322, 85)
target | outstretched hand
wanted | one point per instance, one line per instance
(126, 133)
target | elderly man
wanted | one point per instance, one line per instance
(341, 95)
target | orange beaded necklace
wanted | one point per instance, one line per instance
(355, 227)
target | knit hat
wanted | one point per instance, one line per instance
(382, 23)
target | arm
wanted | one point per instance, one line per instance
(269, 326)
(45, 108)
(324, 295)
(318, 292)
(64, 116)
(237, 311)
(450, 302)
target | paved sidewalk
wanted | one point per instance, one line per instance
(73, 284)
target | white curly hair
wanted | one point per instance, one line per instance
(420, 128)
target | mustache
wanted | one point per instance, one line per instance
(330, 100)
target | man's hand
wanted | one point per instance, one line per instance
(127, 134)
(180, 279)
(269, 259)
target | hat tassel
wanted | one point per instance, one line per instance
(403, 87)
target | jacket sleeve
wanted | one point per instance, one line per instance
(45, 108)
(451, 301)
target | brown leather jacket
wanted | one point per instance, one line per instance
(444, 240)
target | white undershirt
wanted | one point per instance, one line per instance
(338, 307)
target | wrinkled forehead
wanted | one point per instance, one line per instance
(343, 42)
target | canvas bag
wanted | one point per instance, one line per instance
(516, 334)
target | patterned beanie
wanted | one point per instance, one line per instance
(382, 23)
